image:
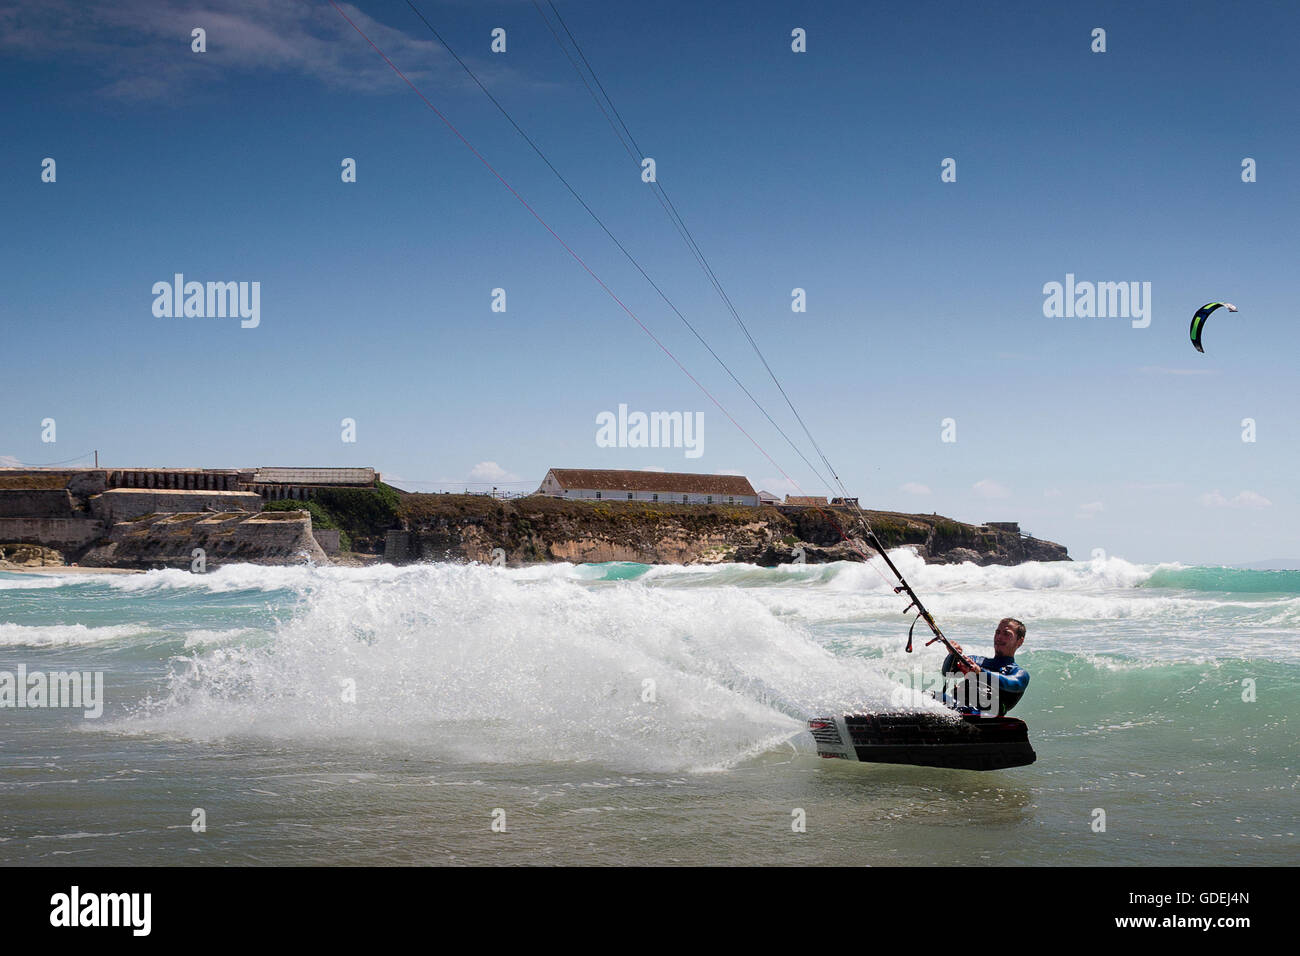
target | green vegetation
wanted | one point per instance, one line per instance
(891, 531)
(361, 511)
(423, 509)
(951, 534)
(320, 518)
(360, 515)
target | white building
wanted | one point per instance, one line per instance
(592, 484)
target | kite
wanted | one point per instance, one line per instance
(1203, 313)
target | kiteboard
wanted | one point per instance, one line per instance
(956, 742)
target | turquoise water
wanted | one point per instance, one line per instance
(625, 713)
(1226, 580)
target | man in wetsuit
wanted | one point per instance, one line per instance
(1012, 679)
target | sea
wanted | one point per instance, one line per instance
(625, 714)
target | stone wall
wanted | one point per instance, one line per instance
(42, 503)
(398, 547)
(151, 517)
(66, 534)
(169, 541)
(327, 538)
(126, 504)
(175, 479)
(83, 484)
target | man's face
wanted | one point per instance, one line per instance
(1005, 642)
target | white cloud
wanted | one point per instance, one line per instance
(729, 471)
(1089, 510)
(987, 488)
(1053, 493)
(1244, 499)
(912, 488)
(1251, 499)
(132, 45)
(8, 461)
(653, 468)
(490, 471)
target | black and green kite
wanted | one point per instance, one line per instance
(1203, 313)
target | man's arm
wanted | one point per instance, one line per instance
(1013, 679)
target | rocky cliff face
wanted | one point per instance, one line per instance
(528, 530)
(29, 556)
(49, 519)
(466, 527)
(169, 541)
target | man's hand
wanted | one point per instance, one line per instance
(964, 663)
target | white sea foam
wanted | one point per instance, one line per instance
(52, 635)
(491, 665)
(874, 576)
(10, 581)
(256, 577)
(207, 638)
(550, 662)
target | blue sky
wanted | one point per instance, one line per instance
(816, 170)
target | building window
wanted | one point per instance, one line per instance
(629, 496)
(710, 501)
(731, 500)
(598, 494)
(655, 498)
(683, 499)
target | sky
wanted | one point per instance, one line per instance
(821, 170)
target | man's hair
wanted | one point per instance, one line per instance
(1019, 627)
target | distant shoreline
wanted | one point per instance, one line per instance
(64, 569)
(152, 518)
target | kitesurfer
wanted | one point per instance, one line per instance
(1012, 679)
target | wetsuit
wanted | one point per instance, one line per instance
(1012, 680)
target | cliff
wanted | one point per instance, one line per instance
(169, 541)
(82, 519)
(52, 518)
(528, 530)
